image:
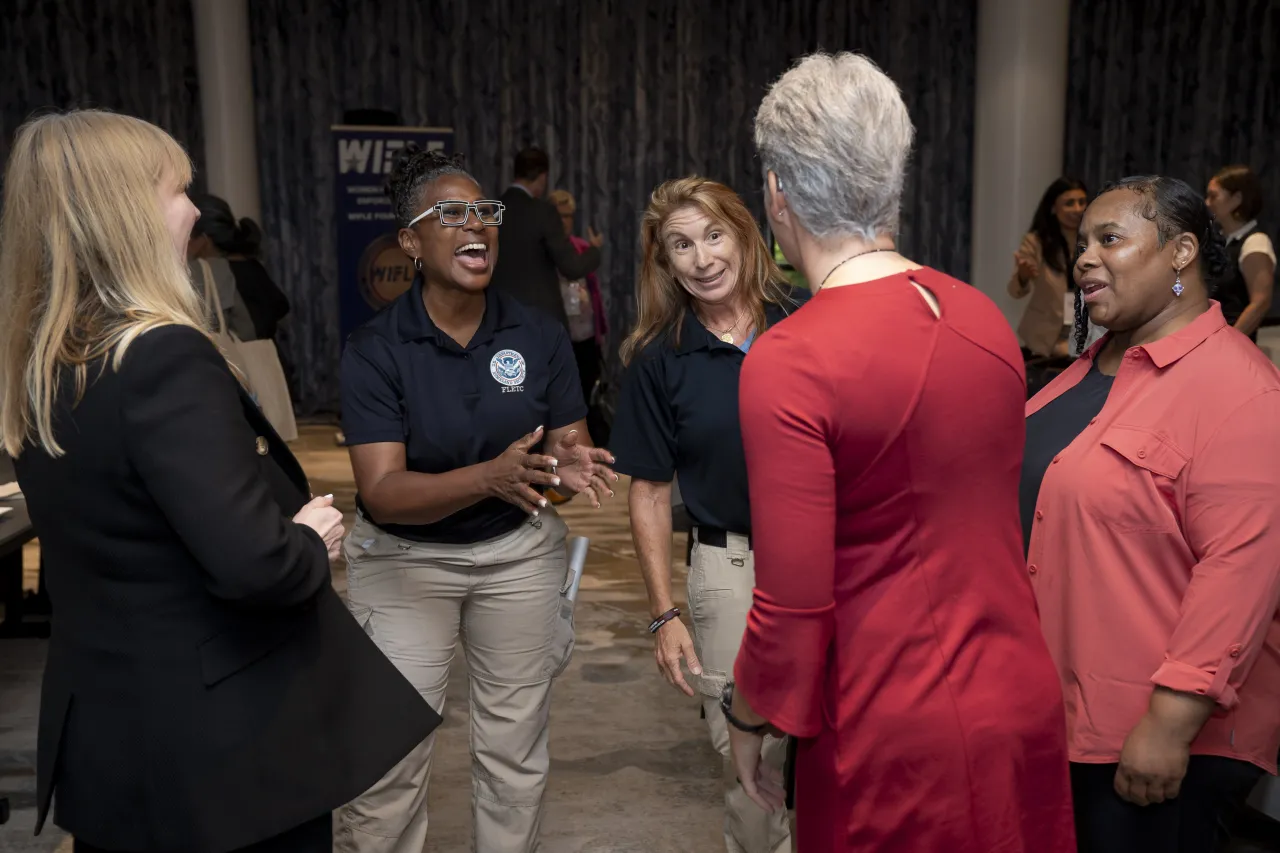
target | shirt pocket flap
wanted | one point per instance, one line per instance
(1146, 449)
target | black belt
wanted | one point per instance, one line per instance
(717, 537)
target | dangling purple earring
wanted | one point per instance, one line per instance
(1177, 283)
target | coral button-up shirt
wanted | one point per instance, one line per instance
(1155, 551)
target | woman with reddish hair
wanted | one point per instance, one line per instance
(708, 290)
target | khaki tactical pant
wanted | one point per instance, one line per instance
(721, 581)
(503, 598)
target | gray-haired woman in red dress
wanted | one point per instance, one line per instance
(893, 629)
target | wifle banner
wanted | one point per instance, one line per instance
(372, 269)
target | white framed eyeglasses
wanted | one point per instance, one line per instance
(454, 214)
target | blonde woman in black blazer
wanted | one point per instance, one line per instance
(205, 691)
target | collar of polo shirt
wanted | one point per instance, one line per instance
(416, 325)
(694, 336)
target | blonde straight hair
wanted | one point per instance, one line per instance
(87, 263)
(661, 301)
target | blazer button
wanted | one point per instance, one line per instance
(1032, 568)
(261, 445)
(1235, 651)
(1142, 453)
(1039, 515)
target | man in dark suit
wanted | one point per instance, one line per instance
(533, 250)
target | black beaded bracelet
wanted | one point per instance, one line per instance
(663, 619)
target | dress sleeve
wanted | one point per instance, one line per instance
(784, 405)
(1233, 526)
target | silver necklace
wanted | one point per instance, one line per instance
(846, 260)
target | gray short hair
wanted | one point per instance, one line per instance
(834, 129)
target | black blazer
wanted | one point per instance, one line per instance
(205, 688)
(533, 250)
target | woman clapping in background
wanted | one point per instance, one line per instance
(1042, 269)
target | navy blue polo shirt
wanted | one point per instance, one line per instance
(677, 416)
(404, 380)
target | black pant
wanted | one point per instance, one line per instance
(587, 354)
(589, 358)
(1197, 821)
(314, 836)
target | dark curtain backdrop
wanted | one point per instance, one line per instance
(131, 56)
(622, 95)
(1177, 89)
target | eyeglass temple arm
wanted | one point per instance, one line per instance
(423, 215)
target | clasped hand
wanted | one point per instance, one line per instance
(321, 517)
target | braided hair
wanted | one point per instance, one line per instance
(1175, 208)
(414, 169)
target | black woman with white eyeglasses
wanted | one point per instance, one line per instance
(459, 406)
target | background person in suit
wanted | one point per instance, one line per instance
(536, 251)
(205, 691)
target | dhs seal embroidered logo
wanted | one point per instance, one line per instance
(507, 367)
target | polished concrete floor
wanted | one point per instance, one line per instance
(631, 766)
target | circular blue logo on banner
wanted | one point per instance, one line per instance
(507, 367)
(384, 273)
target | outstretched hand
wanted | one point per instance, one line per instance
(512, 475)
(584, 469)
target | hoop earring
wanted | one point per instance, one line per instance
(417, 264)
(1177, 283)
